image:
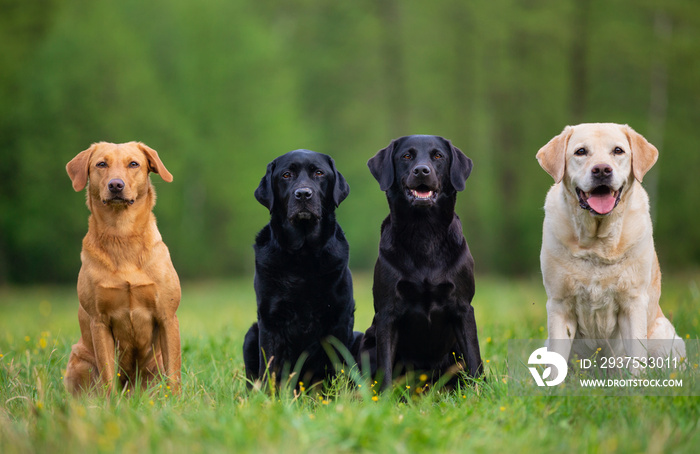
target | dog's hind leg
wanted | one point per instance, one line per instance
(251, 352)
(81, 372)
(664, 342)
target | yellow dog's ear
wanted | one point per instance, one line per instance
(155, 165)
(552, 157)
(78, 167)
(644, 154)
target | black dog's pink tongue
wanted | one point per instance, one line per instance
(602, 203)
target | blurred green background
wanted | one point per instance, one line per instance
(221, 87)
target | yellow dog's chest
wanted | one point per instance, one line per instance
(130, 309)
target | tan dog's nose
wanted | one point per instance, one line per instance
(116, 185)
(601, 170)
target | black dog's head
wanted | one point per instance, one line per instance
(301, 186)
(421, 168)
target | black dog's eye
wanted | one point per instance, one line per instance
(407, 156)
(581, 152)
(101, 164)
(618, 150)
(319, 173)
(286, 175)
(134, 164)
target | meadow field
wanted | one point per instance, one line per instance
(216, 412)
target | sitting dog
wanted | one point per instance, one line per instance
(127, 286)
(423, 278)
(600, 269)
(302, 281)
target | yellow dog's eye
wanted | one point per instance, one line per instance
(101, 164)
(134, 164)
(618, 150)
(581, 152)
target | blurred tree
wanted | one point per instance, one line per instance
(220, 88)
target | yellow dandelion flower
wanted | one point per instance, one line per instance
(39, 405)
(503, 408)
(687, 336)
(423, 377)
(42, 343)
(488, 360)
(324, 402)
(1, 355)
(464, 396)
(151, 403)
(488, 340)
(168, 386)
(599, 349)
(342, 371)
(408, 386)
(673, 375)
(166, 395)
(359, 386)
(26, 338)
(119, 374)
(375, 398)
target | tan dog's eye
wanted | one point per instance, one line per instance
(134, 164)
(101, 165)
(618, 150)
(286, 175)
(319, 173)
(581, 152)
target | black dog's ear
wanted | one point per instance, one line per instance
(341, 189)
(263, 193)
(460, 168)
(382, 166)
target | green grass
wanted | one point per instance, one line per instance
(217, 413)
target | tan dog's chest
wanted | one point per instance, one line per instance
(596, 298)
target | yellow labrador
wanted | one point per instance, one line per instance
(599, 266)
(127, 286)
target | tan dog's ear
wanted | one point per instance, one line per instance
(155, 165)
(552, 157)
(78, 168)
(644, 154)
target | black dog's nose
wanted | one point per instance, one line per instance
(303, 193)
(421, 170)
(116, 185)
(602, 170)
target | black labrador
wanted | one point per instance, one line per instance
(423, 278)
(302, 281)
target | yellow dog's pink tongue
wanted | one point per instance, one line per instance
(601, 203)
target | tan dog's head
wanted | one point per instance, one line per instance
(597, 162)
(118, 173)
